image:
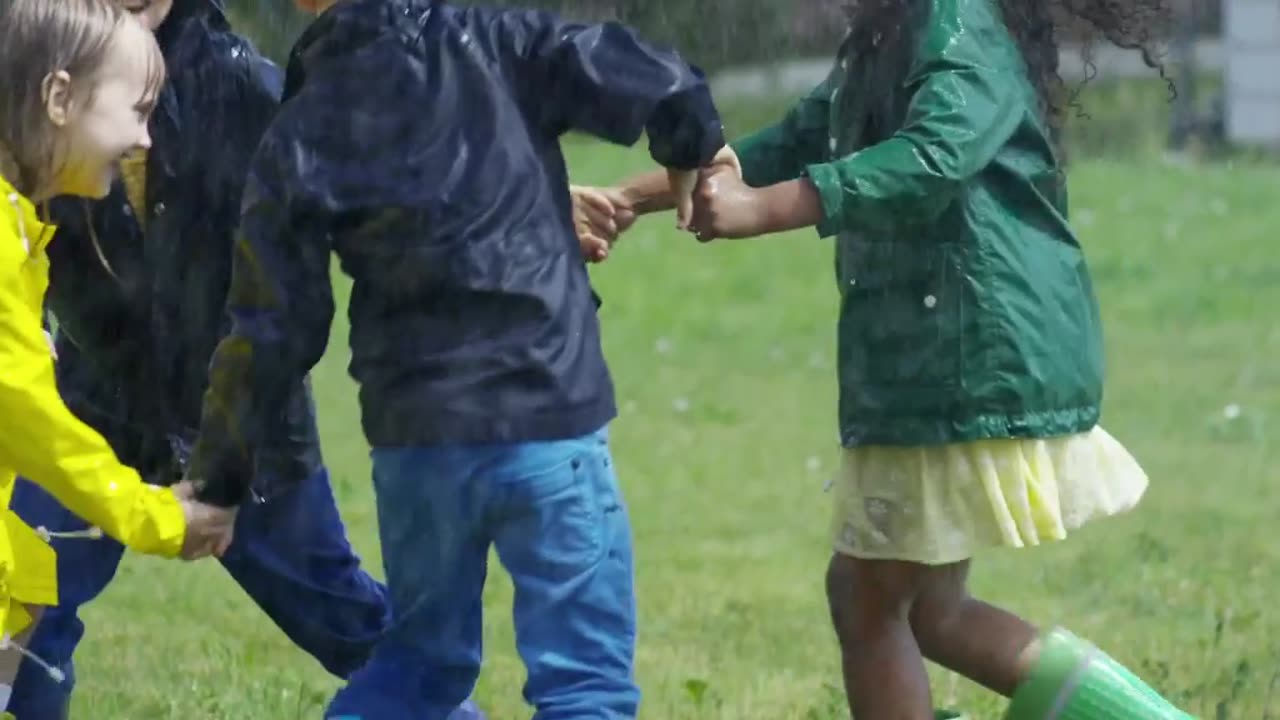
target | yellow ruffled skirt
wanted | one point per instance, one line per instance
(942, 504)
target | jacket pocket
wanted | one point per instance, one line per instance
(901, 319)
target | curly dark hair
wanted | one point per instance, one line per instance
(1036, 26)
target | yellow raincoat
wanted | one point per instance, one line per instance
(41, 440)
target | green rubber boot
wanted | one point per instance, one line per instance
(1073, 680)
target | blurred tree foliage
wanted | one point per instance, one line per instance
(718, 33)
(272, 24)
(712, 33)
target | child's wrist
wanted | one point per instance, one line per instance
(649, 197)
(790, 205)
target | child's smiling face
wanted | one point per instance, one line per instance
(105, 121)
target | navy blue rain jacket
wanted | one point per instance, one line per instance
(135, 341)
(420, 142)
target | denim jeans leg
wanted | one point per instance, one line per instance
(562, 532)
(434, 553)
(292, 558)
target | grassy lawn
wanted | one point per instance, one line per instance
(723, 359)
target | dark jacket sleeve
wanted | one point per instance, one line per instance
(606, 81)
(222, 460)
(281, 307)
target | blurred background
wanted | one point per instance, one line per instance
(1223, 55)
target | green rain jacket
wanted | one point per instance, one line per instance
(966, 311)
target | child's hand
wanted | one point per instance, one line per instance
(210, 529)
(684, 183)
(600, 216)
(726, 207)
(728, 158)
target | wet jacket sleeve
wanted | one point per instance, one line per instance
(606, 81)
(967, 102)
(281, 309)
(43, 441)
(781, 152)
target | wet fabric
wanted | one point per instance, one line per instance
(43, 438)
(966, 307)
(136, 332)
(420, 143)
(136, 328)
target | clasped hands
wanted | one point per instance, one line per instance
(210, 529)
(712, 202)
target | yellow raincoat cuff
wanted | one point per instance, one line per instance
(159, 525)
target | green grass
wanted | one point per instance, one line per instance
(723, 360)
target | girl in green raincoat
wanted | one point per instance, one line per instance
(970, 345)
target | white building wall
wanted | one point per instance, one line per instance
(1252, 77)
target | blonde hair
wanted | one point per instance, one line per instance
(37, 39)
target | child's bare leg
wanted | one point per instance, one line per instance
(871, 602)
(1053, 673)
(984, 643)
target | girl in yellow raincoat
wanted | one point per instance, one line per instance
(79, 78)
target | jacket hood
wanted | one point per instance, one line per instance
(183, 8)
(214, 12)
(346, 27)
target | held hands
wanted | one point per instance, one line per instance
(209, 528)
(685, 182)
(726, 207)
(723, 206)
(600, 216)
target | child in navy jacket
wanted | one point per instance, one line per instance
(420, 143)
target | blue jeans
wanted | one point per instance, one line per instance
(290, 555)
(554, 512)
